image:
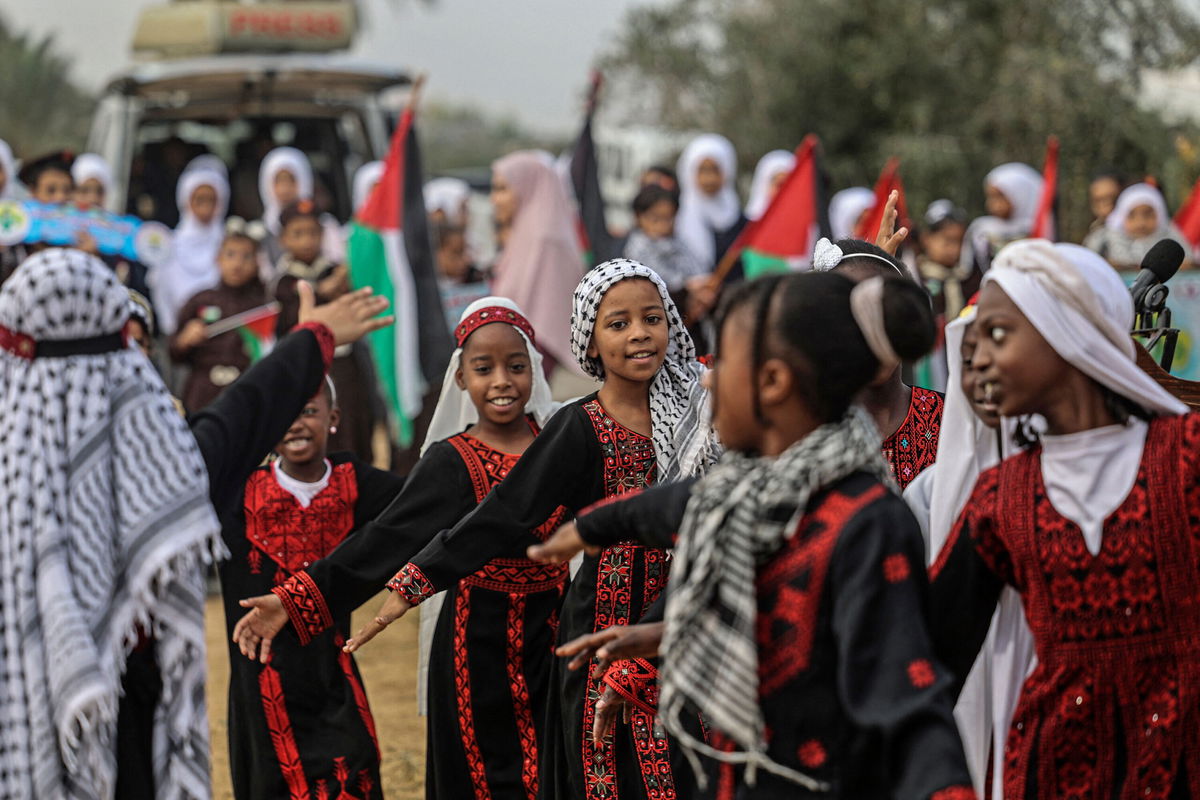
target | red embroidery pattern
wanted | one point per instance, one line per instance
(517, 576)
(411, 584)
(913, 446)
(920, 674)
(954, 793)
(305, 606)
(1118, 633)
(360, 694)
(289, 534)
(629, 464)
(325, 340)
(515, 660)
(462, 695)
(486, 316)
(895, 568)
(812, 754)
(787, 615)
(279, 725)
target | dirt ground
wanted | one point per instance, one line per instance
(389, 669)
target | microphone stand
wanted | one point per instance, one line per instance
(1152, 322)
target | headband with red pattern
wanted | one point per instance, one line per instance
(27, 347)
(488, 315)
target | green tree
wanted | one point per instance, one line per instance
(42, 109)
(952, 87)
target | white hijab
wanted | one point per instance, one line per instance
(769, 166)
(845, 208)
(8, 167)
(89, 166)
(1021, 184)
(700, 216)
(455, 413)
(365, 178)
(447, 195)
(192, 266)
(279, 160)
(1139, 194)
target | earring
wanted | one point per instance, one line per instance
(333, 429)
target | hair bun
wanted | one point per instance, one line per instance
(908, 319)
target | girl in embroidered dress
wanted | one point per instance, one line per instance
(483, 732)
(794, 620)
(1095, 529)
(648, 422)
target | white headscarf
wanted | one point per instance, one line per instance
(105, 527)
(966, 447)
(279, 160)
(447, 195)
(455, 413)
(1021, 184)
(700, 216)
(1139, 194)
(89, 166)
(8, 166)
(192, 266)
(1081, 307)
(208, 161)
(845, 208)
(769, 166)
(680, 410)
(365, 178)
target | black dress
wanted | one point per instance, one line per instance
(491, 660)
(848, 687)
(582, 456)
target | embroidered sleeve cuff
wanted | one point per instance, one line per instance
(411, 584)
(636, 681)
(305, 606)
(324, 340)
(954, 793)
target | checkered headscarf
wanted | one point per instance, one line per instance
(680, 411)
(105, 525)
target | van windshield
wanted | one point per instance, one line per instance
(162, 149)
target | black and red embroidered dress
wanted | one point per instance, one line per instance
(300, 726)
(1112, 709)
(849, 689)
(582, 456)
(913, 446)
(491, 659)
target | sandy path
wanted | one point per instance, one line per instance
(389, 668)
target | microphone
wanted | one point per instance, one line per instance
(1161, 263)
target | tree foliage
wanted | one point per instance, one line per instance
(43, 109)
(952, 87)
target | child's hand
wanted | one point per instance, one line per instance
(255, 631)
(702, 296)
(392, 609)
(613, 644)
(192, 336)
(561, 547)
(87, 243)
(608, 708)
(350, 317)
(889, 238)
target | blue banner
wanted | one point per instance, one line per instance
(63, 225)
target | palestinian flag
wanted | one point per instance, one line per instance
(1043, 221)
(782, 239)
(1187, 218)
(389, 249)
(598, 244)
(255, 327)
(889, 180)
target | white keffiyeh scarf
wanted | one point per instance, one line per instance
(105, 526)
(739, 515)
(680, 411)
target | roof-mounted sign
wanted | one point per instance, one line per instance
(207, 27)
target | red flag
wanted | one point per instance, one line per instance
(784, 236)
(1043, 221)
(889, 179)
(1187, 218)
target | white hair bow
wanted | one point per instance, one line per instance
(826, 255)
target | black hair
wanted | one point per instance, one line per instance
(239, 236)
(301, 209)
(662, 169)
(1108, 173)
(805, 319)
(651, 195)
(59, 161)
(852, 247)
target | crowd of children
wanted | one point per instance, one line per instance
(779, 564)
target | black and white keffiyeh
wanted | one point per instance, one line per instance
(740, 514)
(105, 526)
(680, 411)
